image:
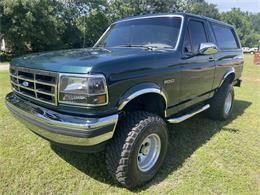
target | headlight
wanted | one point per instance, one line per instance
(88, 90)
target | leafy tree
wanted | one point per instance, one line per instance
(244, 26)
(93, 25)
(256, 21)
(201, 7)
(124, 8)
(31, 25)
(69, 12)
(42, 25)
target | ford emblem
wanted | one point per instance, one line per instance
(25, 84)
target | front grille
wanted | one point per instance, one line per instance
(36, 84)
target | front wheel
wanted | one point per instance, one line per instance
(138, 149)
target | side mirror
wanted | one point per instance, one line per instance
(208, 49)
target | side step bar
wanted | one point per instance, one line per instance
(186, 116)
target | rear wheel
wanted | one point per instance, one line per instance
(221, 104)
(138, 149)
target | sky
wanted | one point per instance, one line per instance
(244, 5)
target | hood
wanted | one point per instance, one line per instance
(85, 60)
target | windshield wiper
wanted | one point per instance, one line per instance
(150, 47)
(130, 45)
(143, 46)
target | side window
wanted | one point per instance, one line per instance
(225, 37)
(211, 34)
(187, 49)
(197, 34)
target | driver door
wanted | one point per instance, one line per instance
(197, 73)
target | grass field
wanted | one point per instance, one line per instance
(204, 157)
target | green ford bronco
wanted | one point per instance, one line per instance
(119, 95)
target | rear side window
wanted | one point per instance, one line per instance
(225, 37)
(197, 34)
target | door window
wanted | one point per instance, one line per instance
(197, 34)
(187, 49)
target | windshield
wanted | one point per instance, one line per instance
(159, 32)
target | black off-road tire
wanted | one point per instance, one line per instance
(121, 153)
(217, 103)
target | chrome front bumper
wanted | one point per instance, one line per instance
(60, 128)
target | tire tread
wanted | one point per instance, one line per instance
(118, 151)
(215, 111)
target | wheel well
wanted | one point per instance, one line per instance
(150, 102)
(230, 77)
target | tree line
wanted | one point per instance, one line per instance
(43, 25)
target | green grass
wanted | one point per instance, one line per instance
(205, 157)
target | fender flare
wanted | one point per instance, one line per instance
(138, 90)
(229, 72)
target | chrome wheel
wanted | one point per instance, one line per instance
(228, 103)
(149, 152)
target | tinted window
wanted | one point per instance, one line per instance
(161, 31)
(187, 43)
(198, 34)
(225, 37)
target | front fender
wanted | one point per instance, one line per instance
(140, 89)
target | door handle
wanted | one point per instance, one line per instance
(211, 59)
